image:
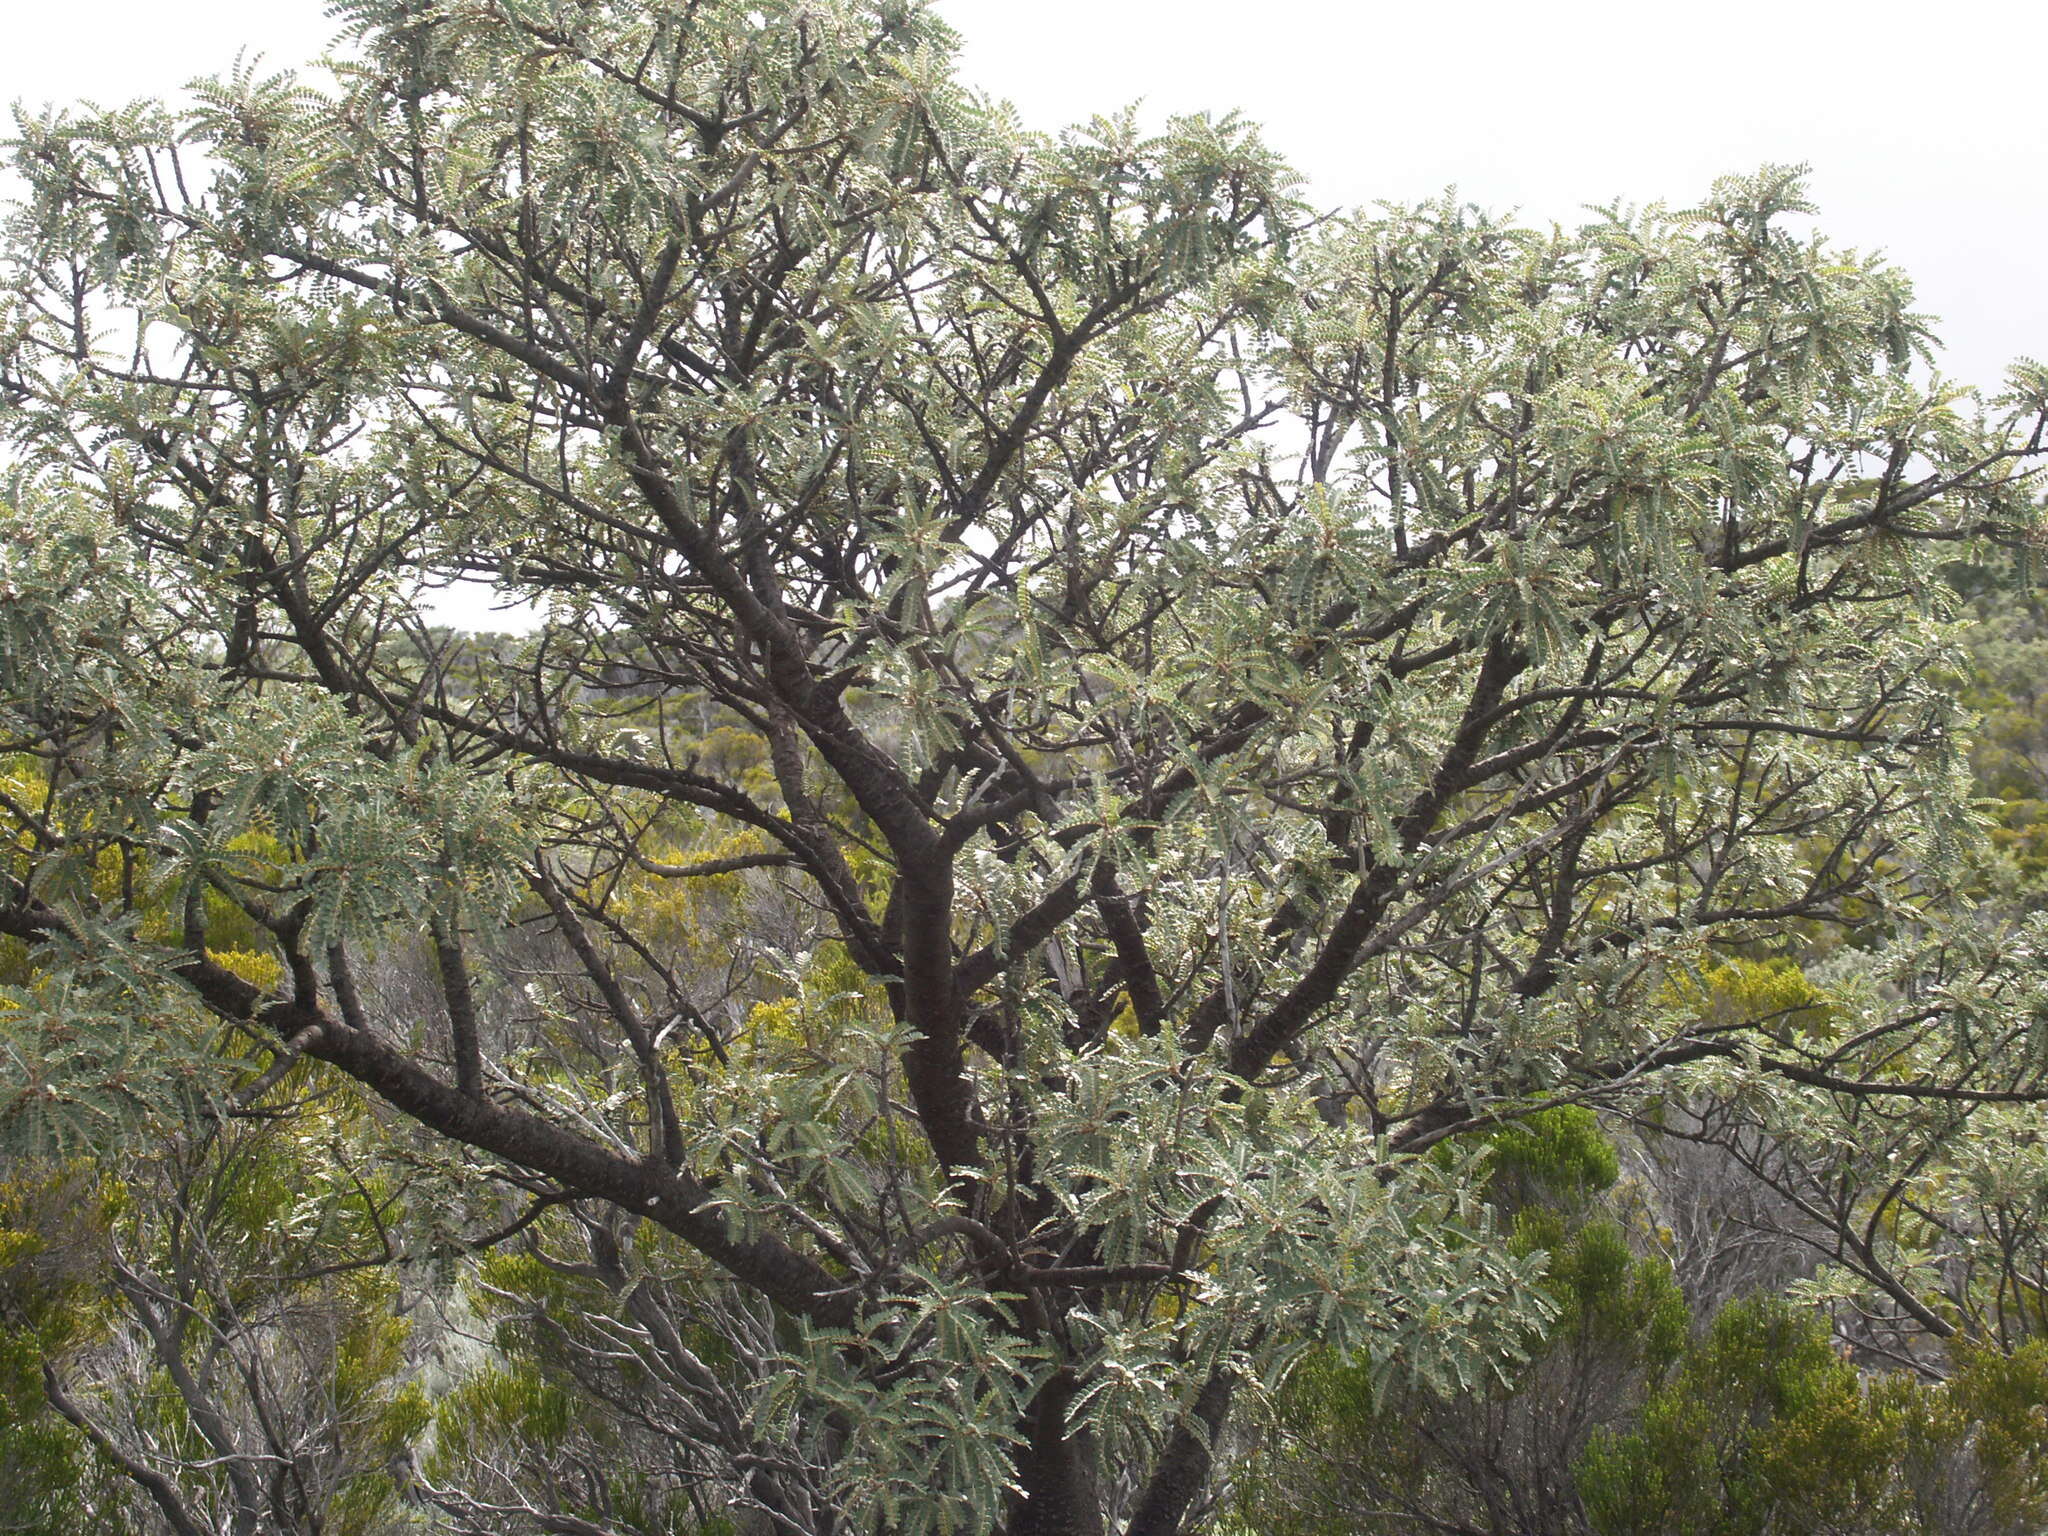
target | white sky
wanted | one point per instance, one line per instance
(1926, 124)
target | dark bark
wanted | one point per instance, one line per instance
(1182, 1472)
(1057, 1469)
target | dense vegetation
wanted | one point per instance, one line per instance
(1161, 864)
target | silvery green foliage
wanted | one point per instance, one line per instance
(112, 678)
(1921, 1207)
(1309, 1245)
(1085, 722)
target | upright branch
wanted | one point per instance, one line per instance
(1073, 721)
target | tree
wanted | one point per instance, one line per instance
(1347, 1454)
(1635, 1415)
(1085, 720)
(1764, 1427)
(211, 1331)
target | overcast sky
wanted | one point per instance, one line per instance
(1926, 126)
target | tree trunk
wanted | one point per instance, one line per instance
(1057, 1470)
(1183, 1468)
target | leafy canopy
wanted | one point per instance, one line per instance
(1083, 720)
